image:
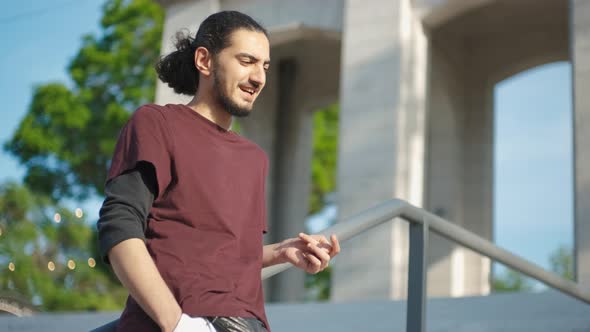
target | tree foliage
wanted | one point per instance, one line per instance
(323, 172)
(68, 135)
(318, 286)
(325, 155)
(561, 262)
(35, 250)
(65, 142)
(511, 281)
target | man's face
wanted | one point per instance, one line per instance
(239, 71)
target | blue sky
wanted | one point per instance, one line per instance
(533, 180)
(533, 209)
(39, 38)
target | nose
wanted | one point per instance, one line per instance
(258, 77)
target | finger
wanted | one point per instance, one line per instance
(321, 239)
(335, 245)
(325, 244)
(318, 240)
(321, 254)
(307, 238)
(314, 265)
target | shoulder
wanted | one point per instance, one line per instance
(149, 111)
(152, 116)
(150, 121)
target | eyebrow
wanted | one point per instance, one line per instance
(253, 58)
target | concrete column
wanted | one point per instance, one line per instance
(460, 166)
(259, 127)
(283, 129)
(580, 55)
(381, 145)
(445, 169)
(478, 179)
(291, 176)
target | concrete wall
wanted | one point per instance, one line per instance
(276, 13)
(445, 169)
(475, 50)
(472, 45)
(580, 48)
(381, 147)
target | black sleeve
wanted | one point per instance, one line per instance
(124, 212)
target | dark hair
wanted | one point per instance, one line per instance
(178, 68)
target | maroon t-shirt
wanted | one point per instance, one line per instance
(206, 225)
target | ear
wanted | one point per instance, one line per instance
(203, 60)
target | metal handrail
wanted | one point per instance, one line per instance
(421, 222)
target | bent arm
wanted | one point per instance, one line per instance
(137, 272)
(121, 229)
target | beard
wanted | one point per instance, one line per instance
(224, 100)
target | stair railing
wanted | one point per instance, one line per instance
(421, 223)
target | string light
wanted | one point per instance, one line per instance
(51, 266)
(79, 213)
(57, 218)
(71, 264)
(11, 266)
(91, 262)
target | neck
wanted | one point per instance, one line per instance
(211, 110)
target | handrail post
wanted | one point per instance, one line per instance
(417, 274)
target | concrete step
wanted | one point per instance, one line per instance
(540, 312)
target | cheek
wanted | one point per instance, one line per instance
(239, 74)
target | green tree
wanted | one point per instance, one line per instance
(49, 256)
(65, 142)
(511, 281)
(67, 138)
(561, 262)
(318, 285)
(323, 172)
(325, 156)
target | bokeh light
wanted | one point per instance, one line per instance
(91, 262)
(71, 264)
(11, 266)
(79, 213)
(57, 218)
(51, 266)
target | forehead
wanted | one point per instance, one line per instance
(252, 42)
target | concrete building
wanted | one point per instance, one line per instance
(415, 81)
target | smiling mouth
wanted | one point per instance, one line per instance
(250, 90)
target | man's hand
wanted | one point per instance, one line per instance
(311, 253)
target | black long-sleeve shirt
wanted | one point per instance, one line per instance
(125, 209)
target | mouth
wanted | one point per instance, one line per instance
(249, 90)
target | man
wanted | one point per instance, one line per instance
(185, 211)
